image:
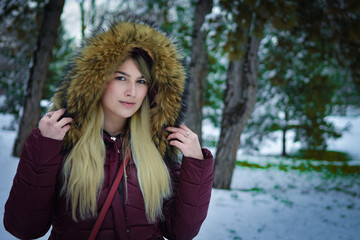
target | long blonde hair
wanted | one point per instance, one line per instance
(153, 174)
(83, 171)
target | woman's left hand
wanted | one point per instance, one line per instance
(187, 141)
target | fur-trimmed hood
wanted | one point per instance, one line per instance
(98, 59)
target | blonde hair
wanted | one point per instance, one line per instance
(153, 175)
(83, 170)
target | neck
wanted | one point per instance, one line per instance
(114, 127)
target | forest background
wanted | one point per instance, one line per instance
(257, 67)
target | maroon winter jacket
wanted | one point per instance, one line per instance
(35, 203)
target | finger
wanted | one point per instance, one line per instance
(172, 129)
(177, 136)
(185, 128)
(178, 130)
(57, 114)
(64, 121)
(177, 144)
(66, 128)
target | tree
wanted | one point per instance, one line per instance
(42, 55)
(240, 94)
(198, 67)
(330, 23)
(183, 19)
(18, 21)
(239, 101)
(317, 21)
(311, 74)
(244, 29)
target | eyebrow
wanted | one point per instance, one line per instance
(127, 75)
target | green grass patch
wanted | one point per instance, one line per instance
(287, 202)
(320, 155)
(283, 167)
(254, 189)
(330, 169)
(252, 165)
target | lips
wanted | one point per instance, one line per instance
(127, 104)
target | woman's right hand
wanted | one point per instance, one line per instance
(51, 127)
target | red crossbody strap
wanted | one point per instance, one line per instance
(108, 200)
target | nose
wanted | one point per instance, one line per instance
(130, 89)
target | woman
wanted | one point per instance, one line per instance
(122, 98)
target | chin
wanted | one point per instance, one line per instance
(127, 115)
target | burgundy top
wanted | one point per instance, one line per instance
(35, 203)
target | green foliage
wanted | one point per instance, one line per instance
(175, 17)
(331, 23)
(328, 169)
(322, 155)
(308, 59)
(244, 17)
(305, 73)
(234, 28)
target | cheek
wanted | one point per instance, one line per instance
(108, 94)
(111, 89)
(144, 93)
(104, 100)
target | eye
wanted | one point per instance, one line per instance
(120, 78)
(142, 81)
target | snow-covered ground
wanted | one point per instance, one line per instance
(264, 203)
(274, 204)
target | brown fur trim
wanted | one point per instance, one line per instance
(100, 57)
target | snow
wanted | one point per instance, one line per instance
(272, 204)
(263, 203)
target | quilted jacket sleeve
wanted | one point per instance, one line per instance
(186, 210)
(29, 207)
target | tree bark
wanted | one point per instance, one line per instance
(239, 102)
(198, 68)
(38, 72)
(284, 130)
(283, 153)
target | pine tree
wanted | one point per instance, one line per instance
(307, 69)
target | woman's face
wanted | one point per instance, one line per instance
(125, 92)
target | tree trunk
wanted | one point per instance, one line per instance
(38, 72)
(198, 68)
(239, 102)
(285, 128)
(284, 142)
